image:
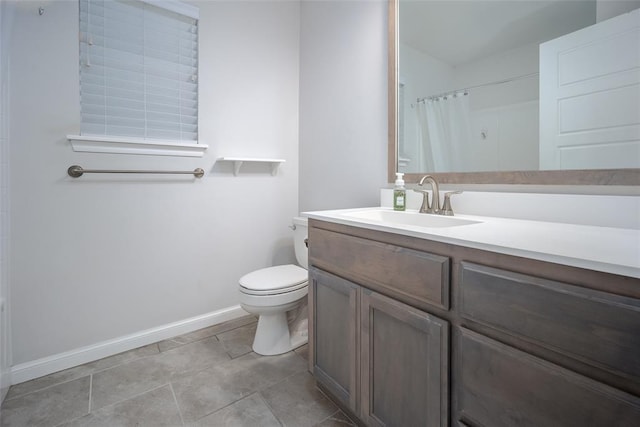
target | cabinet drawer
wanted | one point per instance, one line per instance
(502, 386)
(406, 274)
(594, 327)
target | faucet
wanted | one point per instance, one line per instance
(427, 207)
(434, 206)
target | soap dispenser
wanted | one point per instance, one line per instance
(399, 194)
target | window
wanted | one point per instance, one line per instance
(139, 70)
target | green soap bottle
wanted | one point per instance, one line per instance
(399, 194)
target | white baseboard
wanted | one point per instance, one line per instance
(50, 364)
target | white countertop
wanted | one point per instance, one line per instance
(607, 249)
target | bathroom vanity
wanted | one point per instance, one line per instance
(413, 328)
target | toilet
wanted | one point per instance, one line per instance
(278, 295)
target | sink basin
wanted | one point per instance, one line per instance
(409, 218)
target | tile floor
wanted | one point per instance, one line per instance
(208, 377)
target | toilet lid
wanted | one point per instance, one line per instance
(272, 292)
(275, 279)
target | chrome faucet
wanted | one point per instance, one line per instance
(433, 207)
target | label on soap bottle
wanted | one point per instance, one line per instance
(398, 200)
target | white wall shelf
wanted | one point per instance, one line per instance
(238, 161)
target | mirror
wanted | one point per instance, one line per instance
(501, 111)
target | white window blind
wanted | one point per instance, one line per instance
(139, 69)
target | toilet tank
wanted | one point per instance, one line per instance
(299, 237)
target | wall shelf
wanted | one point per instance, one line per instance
(238, 161)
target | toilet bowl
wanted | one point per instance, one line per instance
(278, 295)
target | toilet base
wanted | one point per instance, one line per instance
(274, 337)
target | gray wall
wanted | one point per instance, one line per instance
(343, 103)
(314, 70)
(101, 257)
(5, 342)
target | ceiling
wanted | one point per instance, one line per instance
(461, 31)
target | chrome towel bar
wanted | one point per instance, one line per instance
(76, 171)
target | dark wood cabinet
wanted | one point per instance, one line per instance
(600, 328)
(504, 387)
(383, 360)
(334, 314)
(419, 278)
(405, 355)
(410, 332)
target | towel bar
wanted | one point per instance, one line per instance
(76, 171)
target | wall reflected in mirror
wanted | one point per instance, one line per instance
(518, 85)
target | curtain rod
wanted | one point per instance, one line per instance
(465, 90)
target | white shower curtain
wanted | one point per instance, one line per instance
(444, 125)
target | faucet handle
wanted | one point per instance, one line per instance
(426, 206)
(446, 208)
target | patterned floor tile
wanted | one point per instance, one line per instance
(214, 388)
(248, 412)
(297, 402)
(238, 342)
(156, 408)
(48, 407)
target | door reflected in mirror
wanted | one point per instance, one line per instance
(518, 85)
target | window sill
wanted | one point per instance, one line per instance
(111, 145)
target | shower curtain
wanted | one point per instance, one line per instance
(444, 128)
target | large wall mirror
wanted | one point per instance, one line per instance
(515, 92)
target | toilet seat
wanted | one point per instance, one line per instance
(274, 280)
(273, 292)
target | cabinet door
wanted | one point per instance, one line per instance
(404, 364)
(502, 386)
(333, 336)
